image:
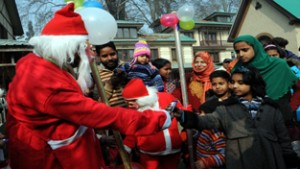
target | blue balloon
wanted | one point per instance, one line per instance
(95, 4)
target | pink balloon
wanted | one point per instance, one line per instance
(169, 20)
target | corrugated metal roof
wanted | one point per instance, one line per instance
(10, 45)
(11, 42)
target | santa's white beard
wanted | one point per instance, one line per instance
(84, 80)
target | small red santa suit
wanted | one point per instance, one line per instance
(161, 150)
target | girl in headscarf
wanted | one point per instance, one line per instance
(276, 72)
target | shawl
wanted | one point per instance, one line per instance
(275, 71)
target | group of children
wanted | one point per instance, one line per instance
(245, 119)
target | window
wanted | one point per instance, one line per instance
(189, 34)
(120, 33)
(210, 36)
(174, 56)
(154, 54)
(127, 33)
(215, 56)
(133, 32)
(126, 54)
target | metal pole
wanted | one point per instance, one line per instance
(180, 67)
(184, 92)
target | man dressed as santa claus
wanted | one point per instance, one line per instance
(160, 150)
(50, 122)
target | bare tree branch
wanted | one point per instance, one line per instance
(146, 11)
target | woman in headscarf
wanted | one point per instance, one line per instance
(198, 82)
(276, 72)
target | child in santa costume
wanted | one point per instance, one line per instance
(161, 150)
(50, 122)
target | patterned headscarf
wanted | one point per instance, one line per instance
(203, 75)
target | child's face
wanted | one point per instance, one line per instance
(143, 59)
(200, 64)
(132, 104)
(244, 51)
(220, 86)
(165, 71)
(225, 65)
(273, 53)
(239, 87)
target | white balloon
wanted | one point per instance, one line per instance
(186, 13)
(100, 25)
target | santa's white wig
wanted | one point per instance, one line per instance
(62, 50)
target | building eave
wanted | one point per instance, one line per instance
(14, 17)
(238, 20)
(292, 19)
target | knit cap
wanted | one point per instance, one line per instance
(141, 48)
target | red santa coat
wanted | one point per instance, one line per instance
(46, 105)
(165, 142)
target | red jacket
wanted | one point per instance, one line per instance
(46, 105)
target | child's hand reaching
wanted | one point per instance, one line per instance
(119, 78)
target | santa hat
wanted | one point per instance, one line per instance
(135, 89)
(146, 96)
(65, 22)
(141, 48)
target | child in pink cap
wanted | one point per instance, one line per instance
(141, 67)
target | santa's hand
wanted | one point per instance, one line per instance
(153, 121)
